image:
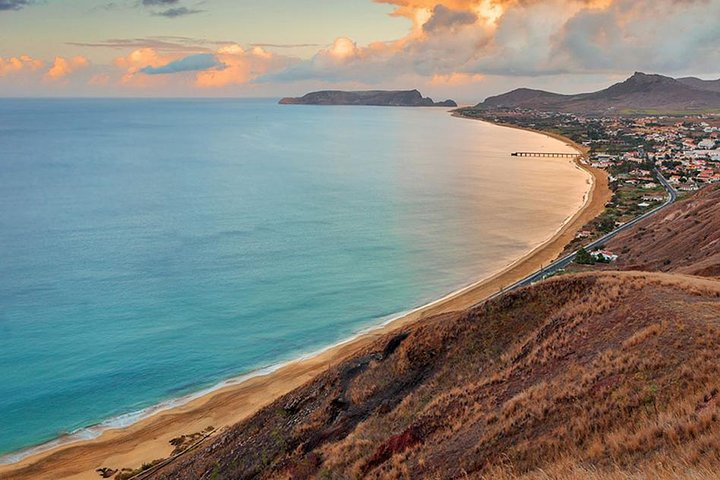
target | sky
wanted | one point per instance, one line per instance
(460, 49)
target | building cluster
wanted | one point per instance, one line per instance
(685, 150)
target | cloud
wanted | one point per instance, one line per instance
(284, 45)
(161, 3)
(448, 44)
(13, 4)
(445, 18)
(62, 67)
(192, 63)
(171, 8)
(139, 59)
(342, 60)
(10, 65)
(680, 35)
(226, 66)
(456, 79)
(166, 44)
(177, 12)
(462, 38)
(241, 66)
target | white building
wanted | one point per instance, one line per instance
(604, 256)
(707, 144)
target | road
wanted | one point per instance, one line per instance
(563, 262)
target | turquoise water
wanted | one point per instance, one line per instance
(152, 248)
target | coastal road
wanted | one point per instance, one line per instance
(563, 262)
(527, 281)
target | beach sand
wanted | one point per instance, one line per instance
(148, 439)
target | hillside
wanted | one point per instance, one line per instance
(712, 85)
(685, 238)
(600, 371)
(382, 98)
(641, 92)
(603, 375)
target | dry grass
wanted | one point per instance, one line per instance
(603, 376)
(684, 239)
(607, 376)
(569, 470)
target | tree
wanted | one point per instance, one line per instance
(584, 258)
(606, 223)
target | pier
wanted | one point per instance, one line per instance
(544, 154)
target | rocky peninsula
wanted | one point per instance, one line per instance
(381, 98)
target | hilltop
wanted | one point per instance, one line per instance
(639, 93)
(382, 98)
(601, 374)
(712, 85)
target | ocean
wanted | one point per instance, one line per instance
(150, 249)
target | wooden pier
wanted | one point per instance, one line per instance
(544, 154)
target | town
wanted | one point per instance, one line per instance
(685, 150)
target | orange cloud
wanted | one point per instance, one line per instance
(138, 59)
(240, 66)
(456, 79)
(235, 66)
(62, 67)
(487, 13)
(450, 41)
(343, 48)
(490, 8)
(420, 11)
(16, 64)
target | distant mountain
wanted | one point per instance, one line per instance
(711, 85)
(639, 93)
(382, 98)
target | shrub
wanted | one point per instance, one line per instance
(584, 258)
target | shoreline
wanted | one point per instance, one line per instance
(235, 399)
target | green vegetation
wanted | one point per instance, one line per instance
(584, 258)
(606, 222)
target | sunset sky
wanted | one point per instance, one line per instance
(464, 49)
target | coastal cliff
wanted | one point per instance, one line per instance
(382, 98)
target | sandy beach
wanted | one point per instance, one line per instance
(148, 439)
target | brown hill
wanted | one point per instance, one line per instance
(602, 375)
(639, 93)
(685, 238)
(381, 98)
(595, 375)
